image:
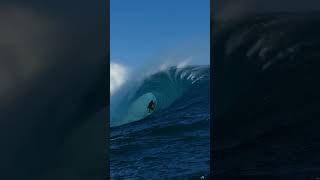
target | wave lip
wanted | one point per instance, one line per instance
(164, 88)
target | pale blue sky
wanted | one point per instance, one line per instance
(142, 29)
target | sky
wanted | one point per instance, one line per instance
(143, 31)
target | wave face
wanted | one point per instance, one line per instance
(267, 88)
(172, 142)
(164, 88)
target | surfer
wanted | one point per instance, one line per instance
(151, 106)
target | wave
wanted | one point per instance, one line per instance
(266, 85)
(164, 88)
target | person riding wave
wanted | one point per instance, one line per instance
(151, 106)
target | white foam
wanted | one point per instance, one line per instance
(118, 76)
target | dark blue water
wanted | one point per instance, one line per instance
(267, 95)
(174, 141)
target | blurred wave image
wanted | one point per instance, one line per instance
(53, 89)
(266, 90)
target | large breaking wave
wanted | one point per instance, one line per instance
(267, 89)
(164, 88)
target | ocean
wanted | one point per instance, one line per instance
(173, 142)
(266, 92)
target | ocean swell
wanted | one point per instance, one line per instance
(165, 88)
